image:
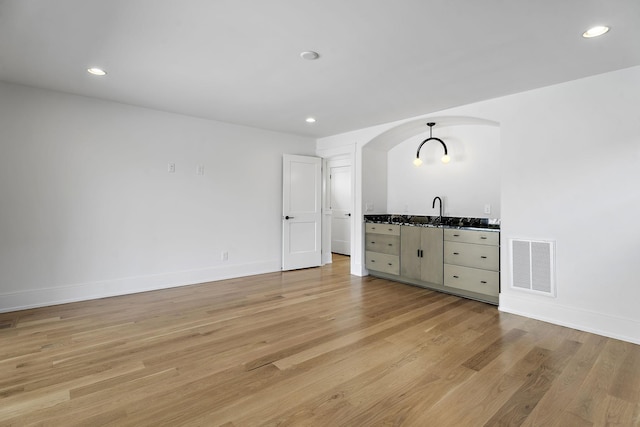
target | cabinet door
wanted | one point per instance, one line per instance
(432, 255)
(410, 252)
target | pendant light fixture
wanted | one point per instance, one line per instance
(444, 159)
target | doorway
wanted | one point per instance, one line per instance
(340, 205)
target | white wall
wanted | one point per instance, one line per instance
(571, 173)
(374, 190)
(88, 208)
(570, 168)
(466, 184)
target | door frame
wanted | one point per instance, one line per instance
(343, 160)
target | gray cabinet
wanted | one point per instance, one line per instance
(458, 261)
(472, 261)
(421, 254)
(382, 248)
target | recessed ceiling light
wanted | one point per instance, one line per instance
(310, 120)
(595, 31)
(96, 71)
(310, 55)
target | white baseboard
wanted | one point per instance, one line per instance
(326, 258)
(584, 320)
(128, 285)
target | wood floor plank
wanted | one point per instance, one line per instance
(493, 350)
(444, 344)
(626, 383)
(386, 395)
(590, 402)
(484, 393)
(516, 410)
(251, 410)
(617, 412)
(551, 407)
(368, 391)
(404, 320)
(313, 347)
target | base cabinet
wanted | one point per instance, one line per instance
(457, 261)
(382, 248)
(421, 253)
(472, 261)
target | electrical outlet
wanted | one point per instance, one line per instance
(171, 168)
(224, 256)
(200, 170)
(487, 208)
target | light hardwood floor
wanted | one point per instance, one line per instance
(314, 347)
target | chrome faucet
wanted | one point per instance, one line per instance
(433, 205)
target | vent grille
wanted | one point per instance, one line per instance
(532, 266)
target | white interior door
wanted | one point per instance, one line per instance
(301, 211)
(340, 204)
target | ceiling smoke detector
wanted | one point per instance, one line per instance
(310, 55)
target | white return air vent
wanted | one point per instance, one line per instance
(533, 266)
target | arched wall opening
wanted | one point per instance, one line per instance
(469, 185)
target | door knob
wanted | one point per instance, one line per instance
(288, 217)
(348, 214)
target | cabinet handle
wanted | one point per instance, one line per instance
(456, 253)
(482, 256)
(421, 253)
(456, 235)
(455, 277)
(390, 244)
(390, 264)
(482, 281)
(391, 229)
(373, 243)
(483, 238)
(418, 253)
(373, 228)
(373, 260)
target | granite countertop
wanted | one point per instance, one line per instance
(487, 224)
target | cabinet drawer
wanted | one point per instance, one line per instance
(472, 279)
(392, 229)
(472, 236)
(382, 262)
(470, 255)
(382, 243)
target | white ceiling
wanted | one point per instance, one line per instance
(381, 60)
